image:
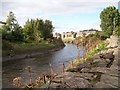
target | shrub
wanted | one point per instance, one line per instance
(99, 48)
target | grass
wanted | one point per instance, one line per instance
(23, 47)
(99, 48)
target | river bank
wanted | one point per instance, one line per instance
(100, 71)
(22, 51)
(39, 65)
(29, 55)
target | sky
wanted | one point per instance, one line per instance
(66, 15)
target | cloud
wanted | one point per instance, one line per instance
(25, 9)
(53, 6)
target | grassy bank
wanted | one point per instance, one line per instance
(101, 46)
(10, 48)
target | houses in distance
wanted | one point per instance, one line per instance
(72, 35)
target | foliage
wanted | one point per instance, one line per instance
(80, 42)
(28, 30)
(47, 33)
(110, 21)
(92, 44)
(97, 49)
(100, 47)
(88, 43)
(23, 47)
(116, 32)
(35, 35)
(12, 31)
(100, 35)
(18, 33)
(37, 29)
(33, 30)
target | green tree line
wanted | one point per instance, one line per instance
(33, 30)
(110, 21)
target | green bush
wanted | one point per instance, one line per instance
(99, 48)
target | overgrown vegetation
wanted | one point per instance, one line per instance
(39, 33)
(97, 49)
(94, 43)
(36, 34)
(110, 21)
(23, 47)
(33, 30)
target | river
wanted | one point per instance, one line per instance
(39, 65)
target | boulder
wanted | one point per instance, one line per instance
(87, 76)
(116, 51)
(83, 65)
(77, 82)
(110, 50)
(116, 62)
(79, 67)
(54, 85)
(113, 71)
(108, 60)
(96, 56)
(100, 69)
(99, 63)
(108, 55)
(103, 85)
(73, 70)
(64, 76)
(85, 70)
(111, 80)
(117, 56)
(113, 41)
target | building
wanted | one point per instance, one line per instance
(86, 32)
(73, 35)
(68, 35)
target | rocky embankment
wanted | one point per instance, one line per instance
(100, 71)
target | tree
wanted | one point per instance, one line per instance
(28, 30)
(18, 33)
(48, 29)
(11, 21)
(117, 23)
(38, 28)
(12, 31)
(7, 29)
(109, 20)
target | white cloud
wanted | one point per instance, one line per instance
(54, 6)
(25, 9)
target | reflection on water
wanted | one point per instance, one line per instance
(12, 69)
